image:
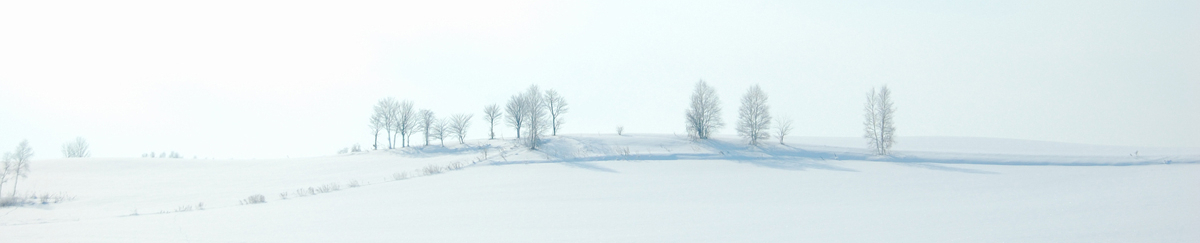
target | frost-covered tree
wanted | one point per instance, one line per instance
(77, 149)
(20, 163)
(783, 127)
(427, 122)
(704, 113)
(557, 106)
(6, 166)
(377, 125)
(879, 127)
(386, 108)
(458, 126)
(754, 116)
(406, 119)
(535, 116)
(515, 113)
(491, 113)
(440, 131)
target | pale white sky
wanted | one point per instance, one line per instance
(266, 79)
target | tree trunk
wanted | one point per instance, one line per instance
(389, 135)
(15, 180)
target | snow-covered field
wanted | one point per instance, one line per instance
(640, 187)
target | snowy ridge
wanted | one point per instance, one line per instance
(632, 188)
(582, 148)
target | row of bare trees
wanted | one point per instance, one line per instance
(400, 121)
(532, 113)
(703, 117)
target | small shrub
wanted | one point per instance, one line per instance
(353, 184)
(455, 166)
(482, 157)
(328, 188)
(255, 199)
(12, 201)
(400, 176)
(432, 170)
(283, 196)
(47, 198)
(623, 151)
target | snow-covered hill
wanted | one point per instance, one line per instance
(640, 187)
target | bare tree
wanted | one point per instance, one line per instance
(377, 124)
(440, 131)
(77, 149)
(878, 124)
(704, 114)
(458, 126)
(620, 129)
(406, 119)
(427, 122)
(535, 112)
(754, 116)
(557, 107)
(6, 173)
(386, 108)
(20, 163)
(515, 113)
(491, 113)
(783, 127)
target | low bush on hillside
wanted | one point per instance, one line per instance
(255, 199)
(187, 208)
(35, 199)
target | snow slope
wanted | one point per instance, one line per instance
(641, 187)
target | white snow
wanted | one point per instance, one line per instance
(586, 188)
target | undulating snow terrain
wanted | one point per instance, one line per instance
(640, 187)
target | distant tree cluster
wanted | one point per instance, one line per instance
(535, 112)
(703, 117)
(532, 113)
(352, 149)
(76, 149)
(172, 155)
(397, 118)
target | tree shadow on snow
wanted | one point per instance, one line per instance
(437, 150)
(933, 166)
(590, 166)
(795, 164)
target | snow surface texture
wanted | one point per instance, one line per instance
(642, 188)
